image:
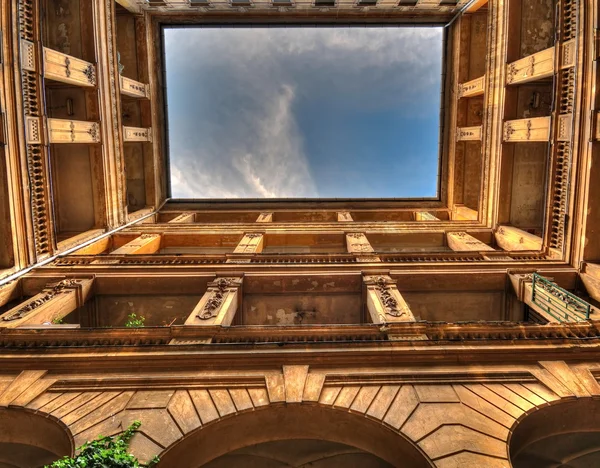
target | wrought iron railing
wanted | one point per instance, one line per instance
(558, 302)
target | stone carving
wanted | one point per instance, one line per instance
(49, 294)
(508, 131)
(90, 73)
(94, 132)
(218, 290)
(390, 304)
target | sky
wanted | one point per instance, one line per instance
(305, 112)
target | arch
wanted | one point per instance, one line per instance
(31, 439)
(565, 434)
(293, 422)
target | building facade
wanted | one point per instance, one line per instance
(452, 332)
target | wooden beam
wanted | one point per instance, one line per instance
(463, 242)
(219, 303)
(144, 244)
(511, 239)
(385, 304)
(472, 88)
(531, 68)
(344, 217)
(183, 218)
(424, 216)
(56, 301)
(251, 243)
(266, 217)
(526, 130)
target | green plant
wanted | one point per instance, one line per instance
(134, 321)
(105, 452)
(58, 321)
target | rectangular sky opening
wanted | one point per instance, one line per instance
(303, 112)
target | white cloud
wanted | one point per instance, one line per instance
(234, 132)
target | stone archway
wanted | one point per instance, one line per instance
(565, 434)
(364, 437)
(31, 440)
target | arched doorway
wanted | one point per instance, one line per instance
(563, 435)
(298, 453)
(312, 432)
(30, 440)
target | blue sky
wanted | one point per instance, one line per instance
(303, 112)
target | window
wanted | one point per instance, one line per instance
(303, 112)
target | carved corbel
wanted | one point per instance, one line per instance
(219, 303)
(384, 302)
(54, 302)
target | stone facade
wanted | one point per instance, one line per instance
(460, 331)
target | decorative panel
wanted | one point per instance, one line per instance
(136, 134)
(536, 129)
(568, 54)
(134, 88)
(73, 131)
(27, 55)
(66, 69)
(471, 88)
(468, 133)
(32, 130)
(533, 67)
(564, 128)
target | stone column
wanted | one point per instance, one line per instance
(56, 301)
(384, 302)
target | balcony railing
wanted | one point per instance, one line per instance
(558, 302)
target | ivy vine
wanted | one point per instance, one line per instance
(135, 321)
(105, 452)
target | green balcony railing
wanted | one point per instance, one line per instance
(558, 302)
